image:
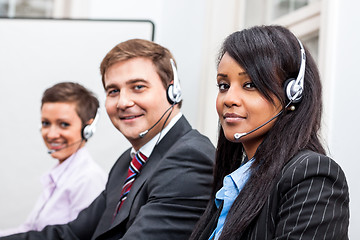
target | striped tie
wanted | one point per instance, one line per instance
(134, 169)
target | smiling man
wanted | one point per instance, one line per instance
(159, 187)
(135, 100)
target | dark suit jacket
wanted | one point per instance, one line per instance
(309, 201)
(165, 201)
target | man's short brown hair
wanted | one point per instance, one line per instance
(159, 55)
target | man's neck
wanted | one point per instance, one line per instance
(148, 147)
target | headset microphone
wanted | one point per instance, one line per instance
(237, 136)
(51, 151)
(142, 134)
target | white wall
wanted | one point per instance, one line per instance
(343, 52)
(35, 54)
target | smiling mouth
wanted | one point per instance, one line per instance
(232, 116)
(54, 145)
(130, 117)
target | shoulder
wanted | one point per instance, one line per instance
(307, 165)
(187, 165)
(193, 136)
(122, 161)
(88, 166)
(183, 133)
(83, 170)
(192, 146)
(311, 197)
(310, 162)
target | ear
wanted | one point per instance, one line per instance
(90, 121)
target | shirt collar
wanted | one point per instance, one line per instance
(238, 175)
(150, 145)
(55, 174)
(233, 183)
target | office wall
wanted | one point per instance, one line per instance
(342, 52)
(34, 55)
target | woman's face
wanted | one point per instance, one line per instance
(241, 107)
(61, 129)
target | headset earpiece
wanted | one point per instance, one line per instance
(173, 92)
(294, 87)
(89, 130)
(293, 92)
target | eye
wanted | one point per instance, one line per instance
(64, 124)
(112, 92)
(45, 124)
(139, 87)
(223, 87)
(249, 85)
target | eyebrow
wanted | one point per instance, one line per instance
(225, 75)
(136, 80)
(221, 75)
(129, 82)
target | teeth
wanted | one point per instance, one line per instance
(130, 117)
(55, 144)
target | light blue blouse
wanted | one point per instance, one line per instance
(232, 185)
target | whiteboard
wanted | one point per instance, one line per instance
(34, 55)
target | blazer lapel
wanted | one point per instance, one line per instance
(176, 132)
(146, 171)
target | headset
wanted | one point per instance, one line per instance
(174, 96)
(89, 129)
(293, 90)
(173, 92)
(294, 87)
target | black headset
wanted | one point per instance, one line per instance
(89, 129)
(173, 92)
(294, 87)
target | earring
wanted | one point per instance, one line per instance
(292, 108)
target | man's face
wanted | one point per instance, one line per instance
(135, 99)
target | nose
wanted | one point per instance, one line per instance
(124, 100)
(232, 97)
(51, 132)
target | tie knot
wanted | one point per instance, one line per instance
(137, 162)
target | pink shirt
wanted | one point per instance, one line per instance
(68, 188)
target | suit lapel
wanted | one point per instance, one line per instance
(176, 132)
(146, 171)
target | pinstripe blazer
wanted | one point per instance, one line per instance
(309, 201)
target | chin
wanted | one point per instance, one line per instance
(230, 137)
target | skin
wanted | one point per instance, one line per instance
(61, 129)
(241, 107)
(136, 99)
